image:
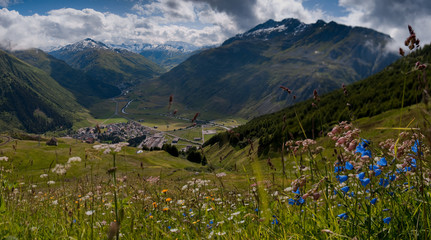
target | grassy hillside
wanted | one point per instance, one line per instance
(242, 77)
(85, 88)
(31, 100)
(369, 97)
(119, 68)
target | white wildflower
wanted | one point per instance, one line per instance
(4, 158)
(235, 213)
(44, 175)
(174, 230)
(55, 202)
(222, 174)
(50, 182)
(89, 213)
(74, 159)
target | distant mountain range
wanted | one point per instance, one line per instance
(167, 55)
(116, 67)
(242, 77)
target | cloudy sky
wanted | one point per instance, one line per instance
(50, 23)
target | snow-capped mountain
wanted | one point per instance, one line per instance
(87, 43)
(167, 55)
(170, 46)
(288, 28)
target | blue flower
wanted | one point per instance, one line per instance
(352, 194)
(345, 189)
(361, 148)
(297, 191)
(335, 192)
(365, 181)
(342, 178)
(342, 216)
(211, 222)
(361, 175)
(392, 177)
(413, 162)
(382, 162)
(373, 201)
(377, 172)
(256, 210)
(374, 167)
(296, 202)
(387, 220)
(338, 168)
(349, 166)
(415, 147)
(384, 182)
(169, 227)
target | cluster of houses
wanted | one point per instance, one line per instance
(118, 132)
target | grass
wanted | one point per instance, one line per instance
(363, 180)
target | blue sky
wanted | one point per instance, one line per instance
(50, 23)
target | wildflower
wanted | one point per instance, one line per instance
(174, 230)
(154, 204)
(415, 147)
(349, 166)
(361, 175)
(361, 148)
(387, 220)
(165, 209)
(384, 182)
(168, 199)
(343, 216)
(382, 162)
(50, 182)
(4, 158)
(377, 172)
(44, 175)
(345, 189)
(74, 159)
(55, 202)
(373, 167)
(342, 178)
(365, 181)
(373, 201)
(89, 213)
(222, 174)
(164, 190)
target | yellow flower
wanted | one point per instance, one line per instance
(154, 204)
(168, 199)
(165, 209)
(164, 190)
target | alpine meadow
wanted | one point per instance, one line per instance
(198, 119)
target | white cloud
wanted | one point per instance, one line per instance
(390, 17)
(281, 9)
(200, 22)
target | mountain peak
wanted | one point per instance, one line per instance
(82, 45)
(271, 29)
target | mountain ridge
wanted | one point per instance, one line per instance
(243, 75)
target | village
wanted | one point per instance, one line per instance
(133, 132)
